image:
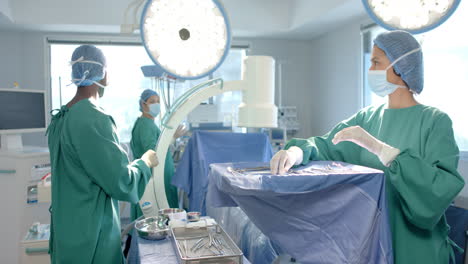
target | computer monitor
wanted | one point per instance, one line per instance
(21, 111)
(277, 134)
(278, 138)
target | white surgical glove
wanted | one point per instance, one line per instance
(180, 131)
(150, 158)
(283, 160)
(362, 138)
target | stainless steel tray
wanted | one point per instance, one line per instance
(205, 245)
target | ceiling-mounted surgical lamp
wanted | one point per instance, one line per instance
(189, 39)
(414, 16)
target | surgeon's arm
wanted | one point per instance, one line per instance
(106, 163)
(427, 185)
(322, 148)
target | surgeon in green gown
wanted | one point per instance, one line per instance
(90, 171)
(412, 143)
(145, 135)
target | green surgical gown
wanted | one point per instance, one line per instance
(145, 135)
(420, 183)
(90, 173)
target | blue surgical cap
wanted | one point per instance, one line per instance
(145, 95)
(396, 44)
(88, 65)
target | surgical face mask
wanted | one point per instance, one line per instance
(154, 109)
(378, 79)
(101, 89)
(101, 92)
(379, 84)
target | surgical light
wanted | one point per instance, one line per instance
(414, 16)
(189, 39)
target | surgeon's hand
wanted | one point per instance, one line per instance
(361, 137)
(150, 158)
(180, 131)
(283, 160)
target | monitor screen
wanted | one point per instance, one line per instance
(22, 110)
(277, 134)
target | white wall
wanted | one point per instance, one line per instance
(337, 77)
(297, 82)
(5, 10)
(337, 86)
(10, 62)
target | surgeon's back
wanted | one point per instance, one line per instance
(90, 172)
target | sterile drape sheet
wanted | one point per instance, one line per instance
(205, 148)
(325, 212)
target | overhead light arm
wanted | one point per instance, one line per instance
(130, 25)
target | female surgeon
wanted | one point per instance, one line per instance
(90, 171)
(412, 143)
(145, 135)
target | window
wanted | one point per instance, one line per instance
(126, 81)
(445, 52)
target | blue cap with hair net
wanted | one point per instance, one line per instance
(145, 95)
(397, 43)
(88, 65)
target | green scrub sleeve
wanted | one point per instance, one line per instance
(322, 148)
(148, 139)
(106, 163)
(427, 185)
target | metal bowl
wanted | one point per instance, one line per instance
(151, 228)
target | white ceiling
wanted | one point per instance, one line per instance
(291, 19)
